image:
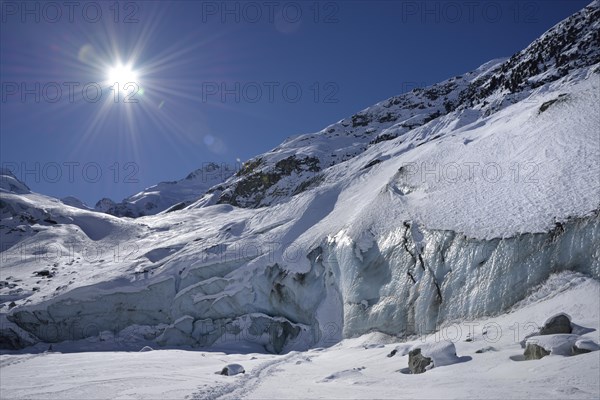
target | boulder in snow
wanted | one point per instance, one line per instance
(583, 346)
(232, 369)
(541, 346)
(535, 352)
(556, 324)
(425, 356)
(417, 362)
(486, 349)
(559, 323)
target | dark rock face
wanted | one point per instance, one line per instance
(258, 185)
(417, 362)
(569, 45)
(360, 120)
(547, 105)
(177, 207)
(560, 323)
(576, 351)
(535, 352)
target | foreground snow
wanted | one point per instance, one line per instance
(353, 368)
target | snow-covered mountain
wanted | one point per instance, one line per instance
(421, 116)
(168, 195)
(449, 203)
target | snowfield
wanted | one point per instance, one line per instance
(353, 368)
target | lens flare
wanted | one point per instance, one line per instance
(124, 77)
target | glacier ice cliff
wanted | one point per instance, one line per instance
(410, 281)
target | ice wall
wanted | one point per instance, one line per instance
(413, 280)
(408, 281)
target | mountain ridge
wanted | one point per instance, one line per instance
(293, 166)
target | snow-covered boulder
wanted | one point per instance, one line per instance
(559, 323)
(583, 346)
(426, 356)
(232, 369)
(540, 346)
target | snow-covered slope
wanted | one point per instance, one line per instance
(447, 203)
(75, 202)
(9, 183)
(168, 195)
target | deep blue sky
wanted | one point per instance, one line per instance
(343, 56)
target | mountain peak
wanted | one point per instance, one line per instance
(10, 183)
(164, 195)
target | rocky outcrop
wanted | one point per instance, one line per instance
(260, 184)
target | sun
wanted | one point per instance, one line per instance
(124, 76)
